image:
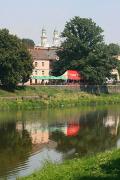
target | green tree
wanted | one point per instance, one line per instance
(15, 60)
(114, 49)
(29, 43)
(83, 49)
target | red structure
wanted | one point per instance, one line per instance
(72, 75)
(73, 129)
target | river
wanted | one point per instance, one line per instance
(29, 139)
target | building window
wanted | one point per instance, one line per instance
(43, 73)
(35, 72)
(35, 64)
(42, 64)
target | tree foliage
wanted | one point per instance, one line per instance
(15, 60)
(83, 49)
(29, 43)
(114, 49)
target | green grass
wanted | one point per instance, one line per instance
(101, 166)
(44, 97)
(29, 91)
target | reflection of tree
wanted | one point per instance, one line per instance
(14, 147)
(93, 136)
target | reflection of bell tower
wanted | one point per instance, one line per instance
(44, 38)
(56, 39)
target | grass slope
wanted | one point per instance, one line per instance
(43, 97)
(101, 166)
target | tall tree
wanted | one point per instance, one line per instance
(83, 49)
(15, 60)
(29, 43)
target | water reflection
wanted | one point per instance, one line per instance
(29, 138)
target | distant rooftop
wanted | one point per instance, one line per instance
(44, 53)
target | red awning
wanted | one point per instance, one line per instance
(73, 75)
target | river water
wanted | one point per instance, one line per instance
(29, 139)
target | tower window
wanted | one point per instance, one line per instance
(43, 73)
(35, 72)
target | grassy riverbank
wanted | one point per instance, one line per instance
(43, 97)
(101, 166)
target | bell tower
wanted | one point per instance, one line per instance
(44, 38)
(56, 39)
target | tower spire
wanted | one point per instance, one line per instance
(44, 38)
(56, 38)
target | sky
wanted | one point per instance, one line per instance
(25, 18)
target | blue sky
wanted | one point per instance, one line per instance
(25, 18)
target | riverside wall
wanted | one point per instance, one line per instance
(100, 89)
